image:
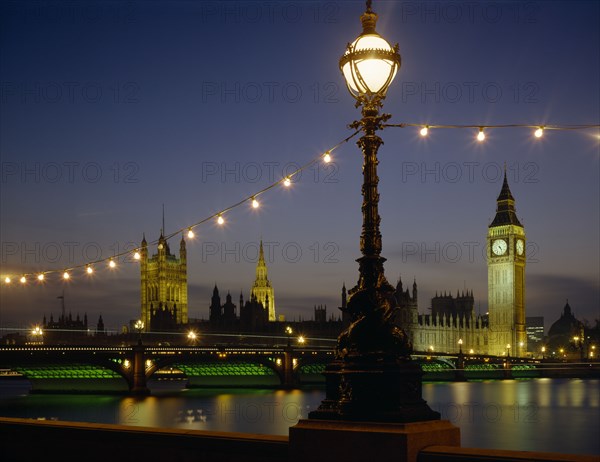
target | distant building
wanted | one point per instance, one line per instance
(506, 278)
(164, 296)
(66, 329)
(461, 306)
(13, 338)
(262, 289)
(500, 332)
(535, 332)
(563, 330)
(253, 315)
(223, 316)
(320, 313)
(451, 319)
(100, 327)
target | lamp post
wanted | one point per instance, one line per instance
(139, 326)
(38, 335)
(543, 352)
(579, 345)
(460, 365)
(192, 337)
(508, 350)
(373, 377)
(289, 331)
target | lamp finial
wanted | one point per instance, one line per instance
(369, 19)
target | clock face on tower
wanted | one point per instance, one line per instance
(499, 247)
(520, 247)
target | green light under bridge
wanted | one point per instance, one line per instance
(66, 371)
(225, 369)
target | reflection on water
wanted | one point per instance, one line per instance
(559, 415)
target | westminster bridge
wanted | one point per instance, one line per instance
(130, 368)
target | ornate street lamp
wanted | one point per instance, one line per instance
(373, 377)
(192, 337)
(139, 326)
(578, 341)
(38, 335)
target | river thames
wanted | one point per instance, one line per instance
(556, 415)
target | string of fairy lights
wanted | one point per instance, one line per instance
(90, 267)
(538, 132)
(285, 182)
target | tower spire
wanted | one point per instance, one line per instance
(262, 289)
(162, 230)
(505, 209)
(261, 255)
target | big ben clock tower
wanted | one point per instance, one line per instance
(506, 279)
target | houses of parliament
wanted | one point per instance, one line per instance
(452, 323)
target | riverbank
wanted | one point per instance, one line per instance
(122, 443)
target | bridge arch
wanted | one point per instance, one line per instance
(222, 371)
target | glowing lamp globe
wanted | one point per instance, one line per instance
(370, 63)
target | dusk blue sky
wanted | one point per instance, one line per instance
(111, 109)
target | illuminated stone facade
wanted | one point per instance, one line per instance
(164, 297)
(262, 290)
(453, 318)
(506, 278)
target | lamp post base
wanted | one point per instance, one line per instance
(371, 389)
(324, 441)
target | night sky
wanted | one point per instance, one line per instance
(111, 109)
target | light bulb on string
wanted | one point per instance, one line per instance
(480, 135)
(326, 156)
